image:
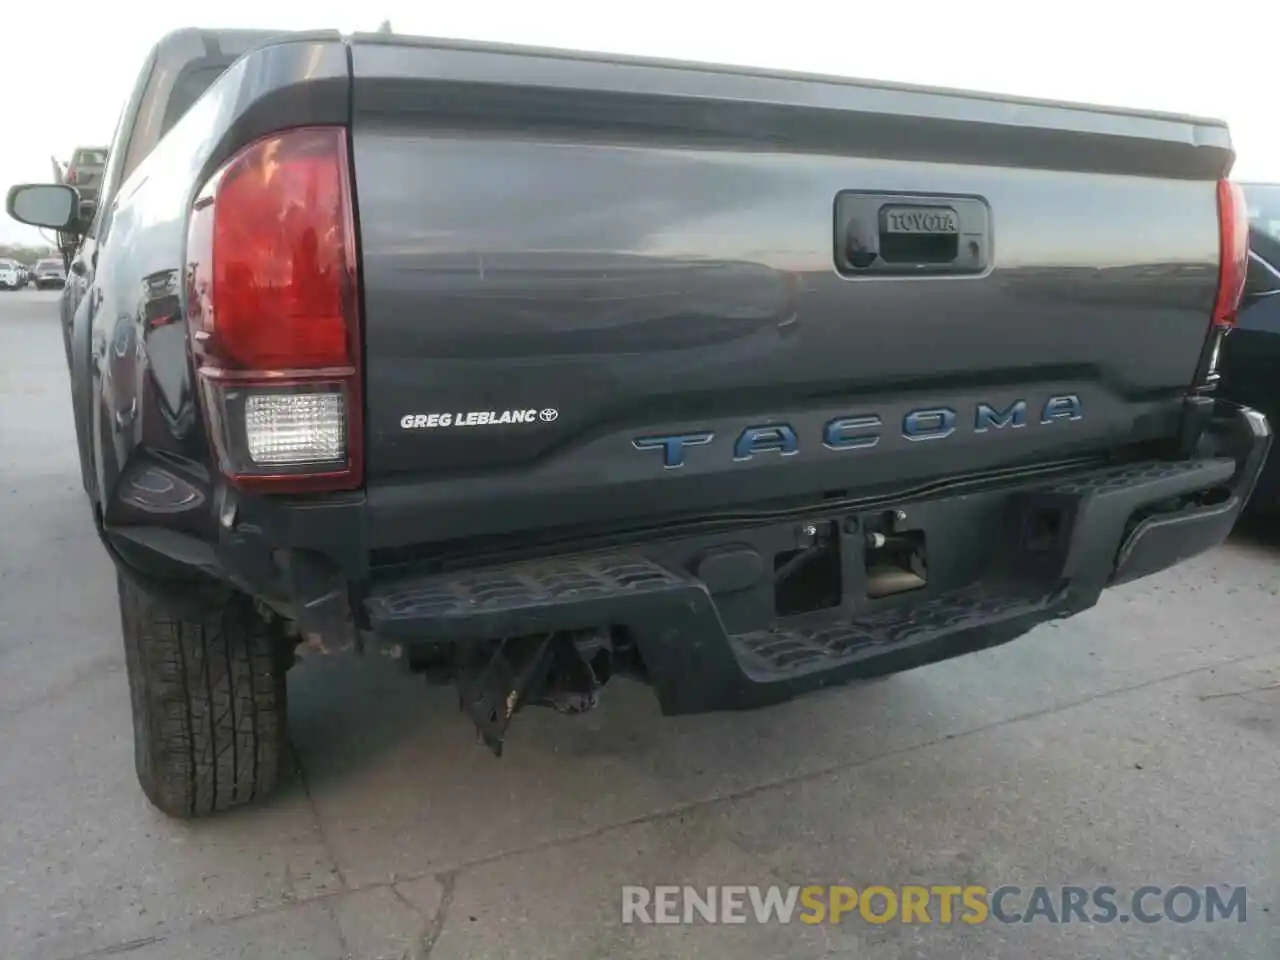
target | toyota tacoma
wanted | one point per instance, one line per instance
(533, 368)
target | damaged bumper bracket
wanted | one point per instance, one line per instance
(555, 669)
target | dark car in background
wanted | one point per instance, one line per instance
(49, 273)
(1250, 363)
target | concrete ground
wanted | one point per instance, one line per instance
(1137, 744)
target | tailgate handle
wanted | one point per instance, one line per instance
(885, 234)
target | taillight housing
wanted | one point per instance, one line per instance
(273, 314)
(1233, 249)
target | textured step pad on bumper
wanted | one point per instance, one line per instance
(632, 591)
(766, 654)
(1128, 476)
(480, 601)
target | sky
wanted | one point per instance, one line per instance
(1128, 53)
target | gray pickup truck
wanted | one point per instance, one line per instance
(533, 368)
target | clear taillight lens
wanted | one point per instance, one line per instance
(295, 428)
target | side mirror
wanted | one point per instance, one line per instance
(54, 206)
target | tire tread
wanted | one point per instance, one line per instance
(208, 693)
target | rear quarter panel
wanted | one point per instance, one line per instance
(143, 406)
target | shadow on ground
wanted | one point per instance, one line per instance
(1258, 531)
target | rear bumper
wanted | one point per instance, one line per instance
(701, 610)
(701, 606)
(1266, 492)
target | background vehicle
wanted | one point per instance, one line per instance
(1251, 354)
(49, 273)
(85, 170)
(745, 383)
(11, 277)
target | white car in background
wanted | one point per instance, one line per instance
(12, 276)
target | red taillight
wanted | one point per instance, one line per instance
(1233, 248)
(272, 305)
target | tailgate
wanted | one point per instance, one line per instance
(601, 291)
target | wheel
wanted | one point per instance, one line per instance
(208, 694)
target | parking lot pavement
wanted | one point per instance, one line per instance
(1136, 744)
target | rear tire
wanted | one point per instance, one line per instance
(208, 694)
